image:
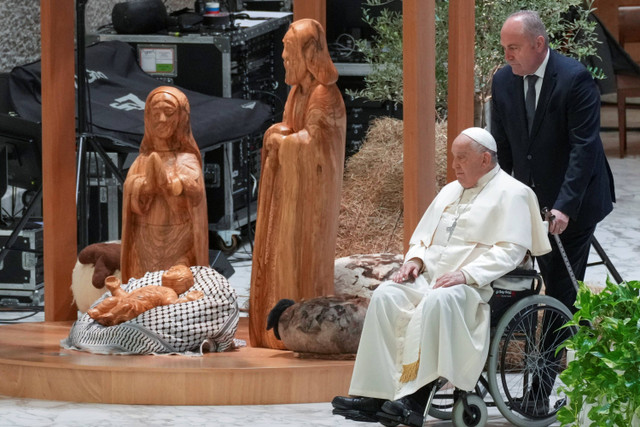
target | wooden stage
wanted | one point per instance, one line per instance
(33, 365)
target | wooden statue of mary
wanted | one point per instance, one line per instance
(164, 213)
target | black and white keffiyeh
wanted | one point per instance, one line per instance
(207, 324)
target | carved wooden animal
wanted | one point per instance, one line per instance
(320, 326)
(164, 215)
(123, 306)
(300, 183)
(95, 263)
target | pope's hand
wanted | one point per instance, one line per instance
(408, 272)
(450, 279)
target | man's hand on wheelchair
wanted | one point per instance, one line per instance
(450, 279)
(558, 221)
(408, 272)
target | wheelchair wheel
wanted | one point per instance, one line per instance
(442, 403)
(446, 396)
(477, 415)
(523, 365)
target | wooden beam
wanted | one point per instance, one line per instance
(58, 156)
(461, 82)
(314, 9)
(607, 12)
(419, 110)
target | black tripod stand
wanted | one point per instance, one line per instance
(604, 260)
(86, 139)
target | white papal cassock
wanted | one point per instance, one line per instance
(414, 334)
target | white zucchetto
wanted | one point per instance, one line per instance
(482, 137)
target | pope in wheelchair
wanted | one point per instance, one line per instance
(432, 320)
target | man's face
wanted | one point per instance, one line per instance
(468, 164)
(523, 53)
(294, 65)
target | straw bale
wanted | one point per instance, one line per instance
(371, 211)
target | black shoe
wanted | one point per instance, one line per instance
(369, 404)
(357, 415)
(402, 411)
(357, 408)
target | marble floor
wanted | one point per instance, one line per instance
(619, 234)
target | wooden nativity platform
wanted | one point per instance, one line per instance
(33, 365)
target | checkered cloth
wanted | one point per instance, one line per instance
(207, 324)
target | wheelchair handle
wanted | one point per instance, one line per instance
(550, 217)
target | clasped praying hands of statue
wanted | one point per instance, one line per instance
(123, 305)
(161, 180)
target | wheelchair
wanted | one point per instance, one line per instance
(521, 372)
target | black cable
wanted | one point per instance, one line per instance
(343, 49)
(246, 16)
(99, 184)
(104, 27)
(16, 309)
(280, 102)
(248, 175)
(6, 215)
(89, 123)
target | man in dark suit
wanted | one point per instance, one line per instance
(557, 151)
(547, 130)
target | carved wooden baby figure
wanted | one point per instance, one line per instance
(123, 306)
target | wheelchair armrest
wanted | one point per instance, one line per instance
(522, 272)
(526, 273)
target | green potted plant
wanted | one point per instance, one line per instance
(602, 382)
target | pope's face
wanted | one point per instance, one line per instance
(294, 64)
(468, 163)
(521, 51)
(164, 115)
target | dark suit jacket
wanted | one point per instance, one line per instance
(563, 159)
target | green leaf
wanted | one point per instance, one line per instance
(607, 357)
(565, 416)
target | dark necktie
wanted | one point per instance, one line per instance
(530, 100)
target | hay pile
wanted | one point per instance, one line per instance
(372, 193)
